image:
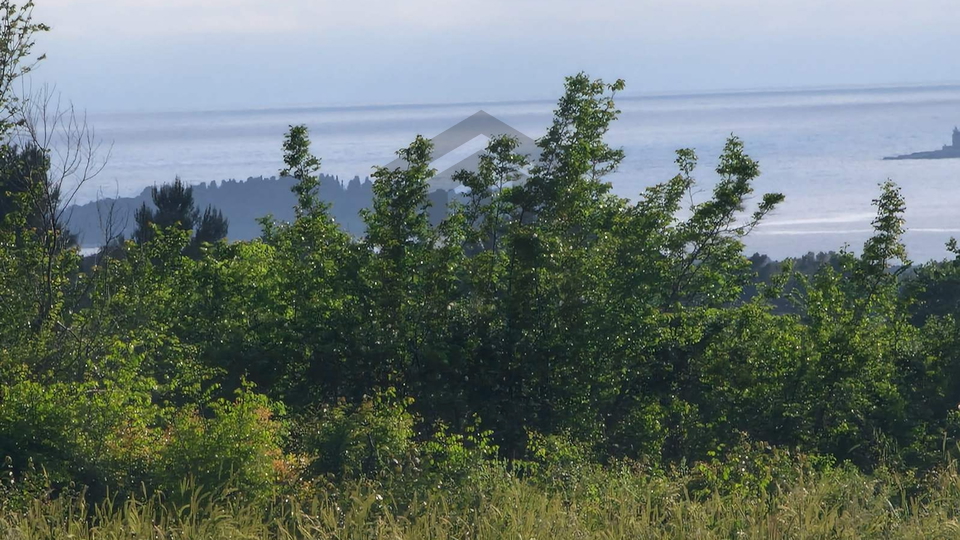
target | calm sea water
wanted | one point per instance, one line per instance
(822, 149)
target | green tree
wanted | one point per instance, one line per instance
(303, 342)
(18, 33)
(400, 238)
(173, 206)
(302, 166)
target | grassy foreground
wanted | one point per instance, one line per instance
(835, 504)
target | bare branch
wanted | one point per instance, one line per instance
(76, 156)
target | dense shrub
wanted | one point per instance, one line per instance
(351, 441)
(96, 435)
(228, 443)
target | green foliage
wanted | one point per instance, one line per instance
(562, 463)
(378, 439)
(21, 486)
(753, 470)
(596, 337)
(174, 208)
(111, 437)
(18, 33)
(212, 227)
(95, 435)
(344, 441)
(303, 166)
(23, 177)
(232, 443)
(455, 458)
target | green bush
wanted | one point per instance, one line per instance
(380, 440)
(231, 443)
(452, 457)
(98, 435)
(353, 441)
(751, 469)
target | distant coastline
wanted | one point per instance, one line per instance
(242, 203)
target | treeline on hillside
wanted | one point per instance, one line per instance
(242, 203)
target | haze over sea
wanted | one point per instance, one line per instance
(821, 148)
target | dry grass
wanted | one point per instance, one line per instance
(838, 505)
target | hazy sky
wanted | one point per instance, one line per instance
(224, 54)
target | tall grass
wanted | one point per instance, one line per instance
(834, 504)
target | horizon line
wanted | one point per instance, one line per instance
(628, 96)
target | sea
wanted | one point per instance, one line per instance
(821, 148)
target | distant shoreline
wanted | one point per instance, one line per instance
(242, 202)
